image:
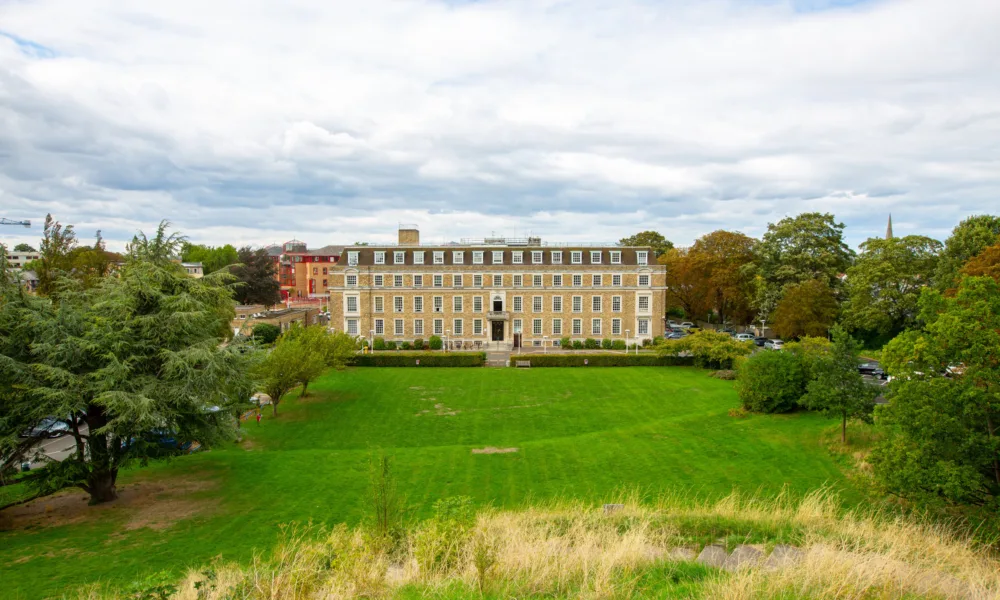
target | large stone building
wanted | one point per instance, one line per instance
(508, 292)
(303, 273)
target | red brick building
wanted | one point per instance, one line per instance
(303, 273)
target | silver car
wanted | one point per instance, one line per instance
(744, 337)
(774, 345)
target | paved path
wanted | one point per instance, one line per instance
(497, 359)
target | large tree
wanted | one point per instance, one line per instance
(22, 247)
(809, 246)
(124, 363)
(656, 241)
(884, 284)
(687, 281)
(299, 357)
(943, 424)
(969, 238)
(57, 245)
(211, 258)
(726, 259)
(984, 264)
(836, 387)
(257, 277)
(807, 308)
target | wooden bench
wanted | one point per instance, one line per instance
(522, 363)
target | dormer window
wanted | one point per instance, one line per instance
(352, 259)
(498, 257)
(642, 257)
(418, 257)
(380, 258)
(399, 257)
(477, 257)
(438, 257)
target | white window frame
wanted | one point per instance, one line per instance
(576, 257)
(477, 304)
(477, 257)
(418, 327)
(517, 257)
(497, 257)
(438, 280)
(596, 303)
(643, 276)
(379, 257)
(418, 257)
(577, 327)
(643, 300)
(537, 257)
(557, 280)
(643, 327)
(352, 259)
(577, 280)
(537, 327)
(596, 280)
(418, 304)
(438, 327)
(397, 281)
(438, 257)
(517, 326)
(642, 257)
(616, 303)
(398, 328)
(379, 327)
(498, 281)
(557, 304)
(595, 254)
(456, 304)
(458, 257)
(556, 326)
(418, 281)
(616, 257)
(578, 304)
(397, 304)
(596, 327)
(537, 304)
(616, 281)
(457, 327)
(379, 280)
(518, 280)
(518, 304)
(616, 326)
(477, 327)
(536, 281)
(379, 304)
(352, 326)
(348, 302)
(477, 280)
(457, 280)
(398, 257)
(437, 302)
(557, 257)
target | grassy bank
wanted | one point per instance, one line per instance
(506, 438)
(640, 551)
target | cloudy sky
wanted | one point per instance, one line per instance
(246, 121)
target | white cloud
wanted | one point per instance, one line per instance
(252, 121)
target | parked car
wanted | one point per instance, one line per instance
(675, 335)
(774, 345)
(47, 427)
(867, 368)
(686, 325)
(759, 341)
(744, 337)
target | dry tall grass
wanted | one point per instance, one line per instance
(572, 550)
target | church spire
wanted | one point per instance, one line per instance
(888, 229)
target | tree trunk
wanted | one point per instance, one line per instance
(274, 408)
(101, 485)
(305, 389)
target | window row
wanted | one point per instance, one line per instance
(517, 304)
(517, 280)
(517, 257)
(457, 327)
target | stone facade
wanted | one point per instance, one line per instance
(528, 295)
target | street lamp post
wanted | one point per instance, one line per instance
(371, 341)
(545, 344)
(627, 332)
(447, 332)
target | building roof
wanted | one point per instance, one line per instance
(274, 250)
(328, 250)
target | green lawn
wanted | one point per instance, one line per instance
(580, 433)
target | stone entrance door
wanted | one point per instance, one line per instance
(497, 330)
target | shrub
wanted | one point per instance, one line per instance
(418, 344)
(427, 359)
(607, 344)
(657, 340)
(591, 344)
(739, 413)
(646, 342)
(265, 333)
(606, 360)
(436, 343)
(770, 382)
(618, 345)
(709, 348)
(577, 345)
(406, 346)
(390, 345)
(566, 343)
(727, 374)
(379, 344)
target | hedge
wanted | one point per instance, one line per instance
(602, 360)
(427, 359)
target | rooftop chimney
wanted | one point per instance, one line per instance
(409, 235)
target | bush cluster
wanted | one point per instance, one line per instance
(771, 382)
(427, 359)
(436, 343)
(591, 344)
(604, 360)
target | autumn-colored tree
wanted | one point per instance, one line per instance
(984, 264)
(967, 239)
(808, 308)
(687, 281)
(724, 257)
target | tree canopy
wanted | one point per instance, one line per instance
(132, 360)
(884, 284)
(984, 264)
(807, 308)
(943, 416)
(211, 258)
(687, 281)
(709, 348)
(724, 259)
(256, 277)
(22, 247)
(968, 238)
(835, 386)
(653, 239)
(300, 355)
(802, 248)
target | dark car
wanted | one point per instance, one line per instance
(759, 341)
(47, 427)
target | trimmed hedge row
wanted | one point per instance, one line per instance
(427, 359)
(603, 360)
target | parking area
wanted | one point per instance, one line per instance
(57, 449)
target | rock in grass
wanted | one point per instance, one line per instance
(612, 508)
(743, 557)
(782, 556)
(681, 554)
(713, 556)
